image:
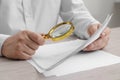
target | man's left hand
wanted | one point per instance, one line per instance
(101, 42)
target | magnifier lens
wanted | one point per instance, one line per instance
(60, 30)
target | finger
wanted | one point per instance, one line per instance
(22, 55)
(106, 32)
(36, 38)
(28, 50)
(31, 44)
(93, 28)
(93, 47)
(42, 34)
(98, 44)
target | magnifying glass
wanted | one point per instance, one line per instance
(60, 31)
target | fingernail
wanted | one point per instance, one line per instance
(103, 34)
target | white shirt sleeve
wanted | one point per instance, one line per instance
(2, 39)
(76, 12)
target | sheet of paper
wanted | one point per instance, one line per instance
(83, 62)
(50, 54)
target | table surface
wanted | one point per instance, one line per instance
(22, 70)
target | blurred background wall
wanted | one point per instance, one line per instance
(100, 8)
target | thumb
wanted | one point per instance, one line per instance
(93, 28)
(37, 38)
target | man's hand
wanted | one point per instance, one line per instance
(101, 42)
(22, 45)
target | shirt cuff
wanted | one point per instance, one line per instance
(2, 39)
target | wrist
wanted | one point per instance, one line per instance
(2, 40)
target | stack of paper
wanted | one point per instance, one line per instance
(51, 54)
(48, 55)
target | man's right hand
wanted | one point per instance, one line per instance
(22, 45)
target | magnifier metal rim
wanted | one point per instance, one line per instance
(64, 35)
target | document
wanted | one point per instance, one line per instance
(83, 62)
(48, 58)
(48, 55)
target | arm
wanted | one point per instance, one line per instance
(76, 12)
(85, 25)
